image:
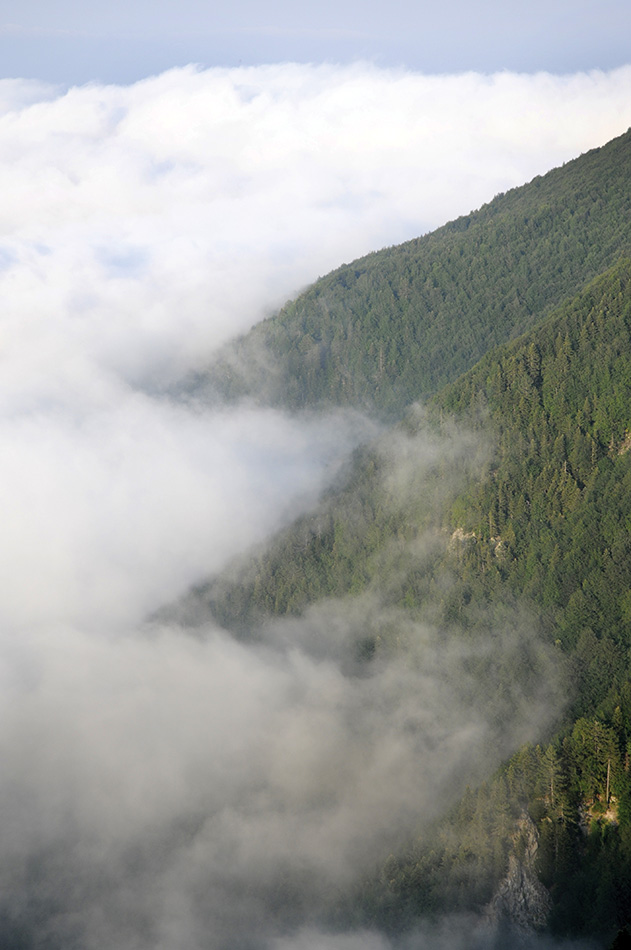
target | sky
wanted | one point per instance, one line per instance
(152, 210)
(71, 41)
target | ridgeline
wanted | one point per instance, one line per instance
(395, 326)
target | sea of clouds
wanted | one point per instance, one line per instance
(153, 785)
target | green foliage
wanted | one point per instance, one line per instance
(555, 510)
(396, 325)
(557, 503)
(546, 520)
(582, 850)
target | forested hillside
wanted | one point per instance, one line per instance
(551, 522)
(503, 504)
(558, 404)
(526, 501)
(396, 325)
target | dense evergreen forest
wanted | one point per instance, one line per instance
(396, 325)
(509, 491)
(550, 521)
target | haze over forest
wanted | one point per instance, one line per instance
(173, 786)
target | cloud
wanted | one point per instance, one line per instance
(280, 172)
(193, 790)
(455, 933)
(109, 511)
(161, 791)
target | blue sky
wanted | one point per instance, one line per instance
(72, 41)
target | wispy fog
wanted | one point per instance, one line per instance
(159, 791)
(455, 933)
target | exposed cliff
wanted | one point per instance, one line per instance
(521, 901)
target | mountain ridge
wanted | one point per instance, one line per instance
(397, 324)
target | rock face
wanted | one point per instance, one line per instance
(521, 901)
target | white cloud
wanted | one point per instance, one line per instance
(213, 788)
(108, 513)
(138, 209)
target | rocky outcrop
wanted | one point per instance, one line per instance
(521, 901)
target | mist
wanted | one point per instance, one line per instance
(162, 790)
(166, 790)
(458, 932)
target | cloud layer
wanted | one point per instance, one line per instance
(157, 790)
(165, 791)
(131, 214)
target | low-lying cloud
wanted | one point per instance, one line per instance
(160, 791)
(130, 215)
(459, 932)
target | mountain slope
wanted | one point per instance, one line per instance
(536, 525)
(510, 497)
(398, 324)
(547, 521)
(551, 522)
